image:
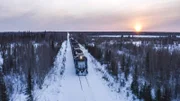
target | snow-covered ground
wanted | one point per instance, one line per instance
(171, 48)
(62, 83)
(82, 88)
(137, 36)
(67, 86)
(112, 88)
(18, 87)
(51, 87)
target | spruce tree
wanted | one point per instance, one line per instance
(127, 67)
(167, 94)
(29, 86)
(134, 84)
(114, 68)
(107, 55)
(123, 63)
(99, 54)
(158, 95)
(3, 90)
(148, 93)
(147, 63)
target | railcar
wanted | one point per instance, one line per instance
(80, 61)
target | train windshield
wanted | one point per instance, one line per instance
(81, 64)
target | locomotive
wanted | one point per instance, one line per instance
(80, 61)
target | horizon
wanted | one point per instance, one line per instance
(86, 31)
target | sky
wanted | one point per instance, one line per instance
(89, 15)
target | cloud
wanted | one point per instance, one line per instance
(88, 14)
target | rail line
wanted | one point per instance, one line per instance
(86, 89)
(87, 81)
(82, 88)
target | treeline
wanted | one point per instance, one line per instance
(96, 33)
(31, 36)
(3, 90)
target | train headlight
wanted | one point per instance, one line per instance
(81, 57)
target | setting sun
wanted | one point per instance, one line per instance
(138, 28)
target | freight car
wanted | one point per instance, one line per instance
(80, 61)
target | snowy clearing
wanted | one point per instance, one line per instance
(82, 88)
(67, 86)
(51, 87)
(137, 36)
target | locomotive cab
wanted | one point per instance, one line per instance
(81, 65)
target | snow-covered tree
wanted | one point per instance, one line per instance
(3, 90)
(29, 88)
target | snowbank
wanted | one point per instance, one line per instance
(17, 87)
(115, 90)
(51, 87)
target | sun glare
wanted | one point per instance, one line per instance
(138, 27)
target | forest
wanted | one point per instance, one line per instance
(152, 63)
(27, 58)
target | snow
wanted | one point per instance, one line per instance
(36, 45)
(148, 36)
(110, 87)
(51, 87)
(83, 88)
(18, 86)
(18, 97)
(137, 36)
(170, 47)
(120, 52)
(62, 83)
(71, 89)
(137, 43)
(153, 93)
(91, 44)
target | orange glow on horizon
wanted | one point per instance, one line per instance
(138, 27)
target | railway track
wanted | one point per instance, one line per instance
(86, 88)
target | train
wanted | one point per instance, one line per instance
(80, 61)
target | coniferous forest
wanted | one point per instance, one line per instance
(27, 58)
(148, 67)
(153, 64)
